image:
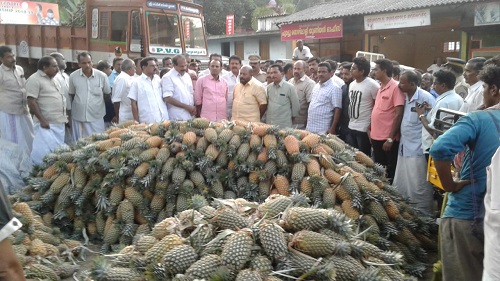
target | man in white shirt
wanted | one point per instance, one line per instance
(444, 82)
(301, 52)
(436, 66)
(88, 87)
(146, 96)
(120, 91)
(362, 94)
(232, 78)
(178, 91)
(474, 98)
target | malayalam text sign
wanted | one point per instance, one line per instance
(312, 30)
(229, 24)
(26, 12)
(398, 20)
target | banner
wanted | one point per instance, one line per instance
(312, 30)
(25, 12)
(229, 24)
(398, 20)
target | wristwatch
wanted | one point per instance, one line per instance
(420, 116)
(389, 140)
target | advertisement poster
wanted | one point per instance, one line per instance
(26, 12)
(312, 30)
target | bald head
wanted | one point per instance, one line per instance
(245, 74)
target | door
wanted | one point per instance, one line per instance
(239, 49)
(264, 49)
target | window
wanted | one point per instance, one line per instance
(193, 32)
(451, 47)
(103, 25)
(119, 23)
(136, 25)
(163, 30)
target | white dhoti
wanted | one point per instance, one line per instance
(17, 128)
(84, 129)
(46, 140)
(411, 181)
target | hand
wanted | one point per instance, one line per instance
(459, 184)
(115, 120)
(331, 131)
(44, 124)
(419, 110)
(387, 146)
(191, 109)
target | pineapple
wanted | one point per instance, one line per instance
(291, 144)
(25, 211)
(329, 197)
(166, 244)
(204, 267)
(134, 197)
(313, 243)
(364, 159)
(149, 154)
(313, 167)
(298, 172)
(377, 211)
(249, 275)
(262, 264)
(392, 209)
(332, 176)
(41, 271)
(165, 227)
(229, 219)
(200, 123)
(347, 268)
(178, 175)
(298, 218)
(37, 248)
(189, 138)
(154, 141)
(273, 240)
(349, 210)
(274, 205)
(305, 187)
(212, 152)
(255, 142)
(237, 250)
(101, 270)
(211, 135)
(311, 140)
(281, 183)
(179, 259)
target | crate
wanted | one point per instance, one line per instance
(432, 175)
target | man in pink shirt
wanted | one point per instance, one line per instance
(386, 117)
(210, 94)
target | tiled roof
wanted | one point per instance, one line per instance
(343, 8)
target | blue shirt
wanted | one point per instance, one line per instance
(410, 144)
(112, 78)
(325, 98)
(477, 130)
(434, 93)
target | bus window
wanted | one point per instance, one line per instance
(163, 30)
(135, 27)
(193, 35)
(119, 23)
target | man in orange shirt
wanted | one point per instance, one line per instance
(386, 118)
(250, 100)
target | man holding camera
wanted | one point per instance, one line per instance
(411, 170)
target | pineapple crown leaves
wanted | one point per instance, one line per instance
(415, 269)
(339, 223)
(301, 158)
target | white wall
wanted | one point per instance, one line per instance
(278, 49)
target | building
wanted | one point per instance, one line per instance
(266, 41)
(412, 32)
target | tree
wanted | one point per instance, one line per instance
(215, 12)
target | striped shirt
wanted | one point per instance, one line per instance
(325, 98)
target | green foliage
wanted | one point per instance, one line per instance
(215, 12)
(71, 12)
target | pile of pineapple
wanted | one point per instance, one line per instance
(40, 248)
(244, 241)
(114, 185)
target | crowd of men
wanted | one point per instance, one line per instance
(379, 110)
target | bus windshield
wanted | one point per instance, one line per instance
(163, 30)
(193, 35)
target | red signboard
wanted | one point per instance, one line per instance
(229, 24)
(187, 28)
(312, 30)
